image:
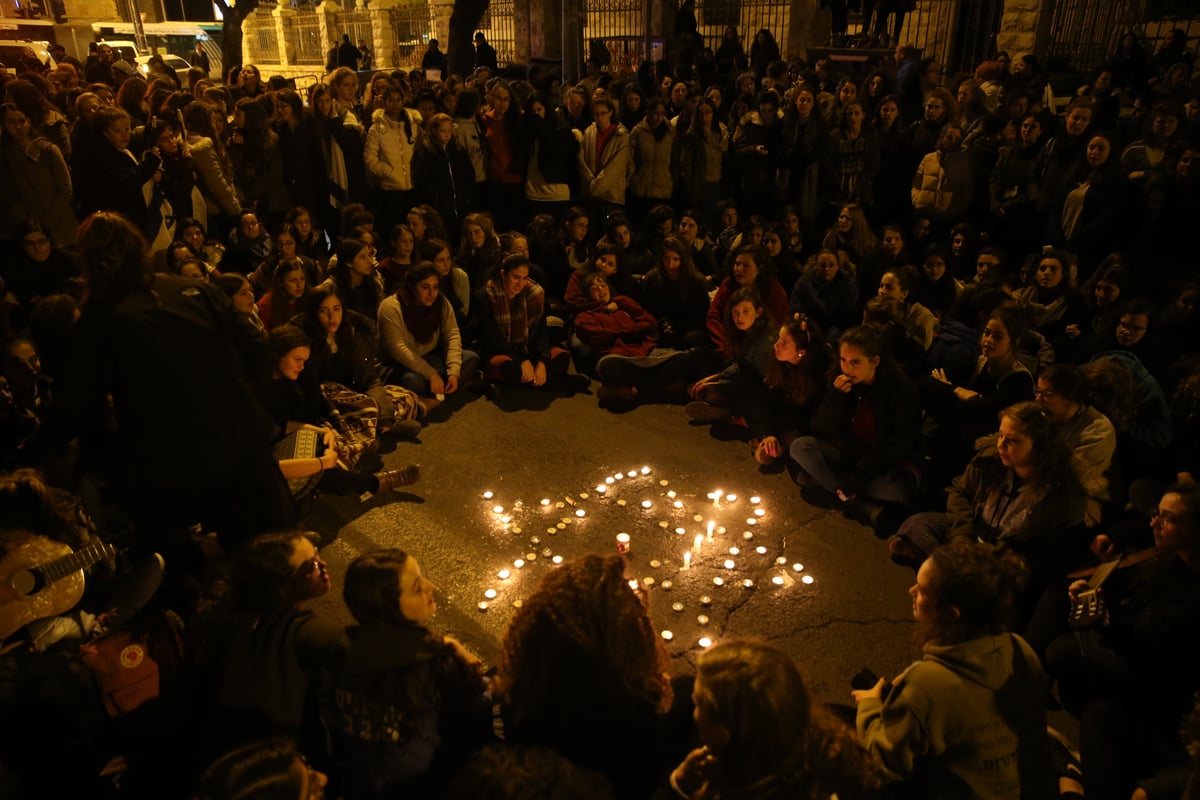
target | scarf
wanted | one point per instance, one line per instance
(423, 322)
(514, 317)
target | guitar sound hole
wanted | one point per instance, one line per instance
(27, 582)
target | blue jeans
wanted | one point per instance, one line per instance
(820, 460)
(416, 382)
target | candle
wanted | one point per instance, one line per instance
(547, 552)
(680, 531)
(561, 526)
(483, 605)
(648, 581)
(622, 542)
(747, 535)
(646, 504)
(671, 494)
(551, 531)
(762, 551)
(531, 556)
(580, 513)
(503, 574)
(569, 500)
(752, 521)
(729, 564)
(733, 551)
(678, 504)
(667, 635)
(702, 620)
(663, 482)
(711, 525)
(518, 603)
(677, 607)
(498, 509)
(645, 470)
(666, 585)
(583, 495)
(731, 498)
(655, 564)
(798, 567)
(490, 594)
(662, 523)
(699, 540)
(609, 480)
(516, 529)
(506, 519)
(718, 581)
(717, 495)
(705, 642)
(777, 580)
(601, 488)
(808, 579)
(621, 503)
(545, 501)
(754, 500)
(749, 584)
(687, 559)
(620, 475)
(520, 562)
(487, 495)
(633, 585)
(705, 601)
(535, 540)
(557, 559)
(781, 560)
(758, 512)
(720, 529)
(698, 518)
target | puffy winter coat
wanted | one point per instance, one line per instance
(389, 149)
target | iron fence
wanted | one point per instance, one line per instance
(260, 44)
(1087, 33)
(357, 25)
(748, 16)
(497, 26)
(303, 36)
(412, 26)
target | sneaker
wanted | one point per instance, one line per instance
(705, 412)
(607, 392)
(395, 478)
(405, 429)
(1066, 764)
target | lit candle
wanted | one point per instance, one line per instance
(762, 551)
(633, 585)
(718, 581)
(662, 523)
(518, 603)
(781, 560)
(671, 494)
(551, 531)
(754, 500)
(667, 635)
(808, 579)
(733, 551)
(483, 605)
(516, 529)
(777, 580)
(545, 501)
(752, 521)
(557, 559)
(698, 517)
(677, 607)
(498, 509)
(535, 540)
(729, 563)
(601, 489)
(678, 504)
(747, 535)
(506, 519)
(648, 581)
(646, 504)
(687, 559)
(583, 495)
(699, 540)
(758, 512)
(731, 498)
(716, 496)
(579, 512)
(622, 542)
(520, 562)
(620, 475)
(503, 574)
(531, 556)
(705, 601)
(621, 503)
(705, 642)
(680, 531)
(487, 495)
(547, 552)
(749, 584)
(561, 526)
(721, 529)
(609, 480)
(666, 585)
(490, 594)
(655, 563)
(711, 525)
(645, 470)
(702, 620)
(798, 567)
(663, 482)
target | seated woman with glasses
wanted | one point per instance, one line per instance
(264, 654)
(1130, 682)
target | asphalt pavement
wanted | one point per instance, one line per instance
(513, 486)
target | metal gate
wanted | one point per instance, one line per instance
(748, 16)
(620, 25)
(303, 35)
(1086, 32)
(260, 44)
(497, 26)
(412, 26)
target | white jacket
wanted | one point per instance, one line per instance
(389, 150)
(607, 179)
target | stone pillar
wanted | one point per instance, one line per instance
(327, 18)
(545, 30)
(522, 27)
(802, 29)
(441, 21)
(383, 41)
(1024, 24)
(572, 41)
(283, 17)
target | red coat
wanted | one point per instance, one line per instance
(776, 303)
(628, 331)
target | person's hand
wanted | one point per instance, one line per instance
(695, 771)
(329, 459)
(461, 651)
(1075, 588)
(437, 385)
(760, 149)
(843, 383)
(940, 375)
(1137, 175)
(964, 394)
(451, 385)
(44, 143)
(612, 306)
(1072, 330)
(1102, 547)
(700, 386)
(540, 376)
(526, 371)
(771, 446)
(875, 691)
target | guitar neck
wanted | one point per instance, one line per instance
(81, 559)
(1102, 572)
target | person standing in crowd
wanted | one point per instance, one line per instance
(485, 54)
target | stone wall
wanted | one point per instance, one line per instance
(1019, 26)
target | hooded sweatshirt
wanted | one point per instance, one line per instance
(967, 720)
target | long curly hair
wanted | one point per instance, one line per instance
(802, 383)
(28, 503)
(582, 612)
(777, 735)
(975, 586)
(113, 252)
(1056, 468)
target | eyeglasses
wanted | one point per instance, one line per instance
(1165, 516)
(1046, 393)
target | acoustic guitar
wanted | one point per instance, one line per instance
(1088, 607)
(41, 578)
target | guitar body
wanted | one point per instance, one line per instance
(25, 596)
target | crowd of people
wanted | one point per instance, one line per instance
(960, 309)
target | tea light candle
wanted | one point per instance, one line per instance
(645, 470)
(633, 585)
(545, 501)
(698, 517)
(752, 521)
(731, 498)
(777, 580)
(754, 500)
(619, 475)
(551, 531)
(702, 620)
(655, 564)
(749, 584)
(677, 606)
(646, 504)
(807, 579)
(497, 509)
(601, 489)
(747, 535)
(678, 504)
(671, 494)
(798, 567)
(704, 642)
(535, 540)
(680, 531)
(490, 594)
(516, 529)
(506, 519)
(733, 551)
(557, 559)
(520, 562)
(666, 585)
(622, 542)
(518, 603)
(621, 503)
(705, 601)
(648, 581)
(561, 526)
(503, 574)
(580, 513)
(762, 551)
(758, 512)
(482, 605)
(781, 560)
(609, 480)
(547, 552)
(531, 556)
(687, 559)
(667, 635)
(663, 482)
(720, 529)
(729, 564)
(560, 504)
(583, 495)
(718, 581)
(487, 495)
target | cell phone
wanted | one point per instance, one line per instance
(866, 679)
